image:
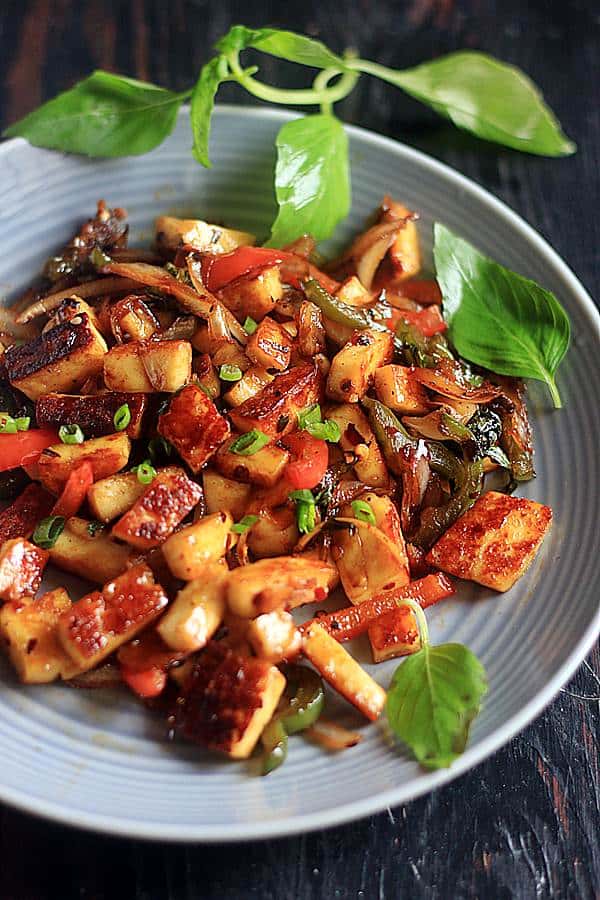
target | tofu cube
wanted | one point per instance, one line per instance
(172, 233)
(494, 542)
(254, 295)
(124, 369)
(92, 555)
(265, 467)
(353, 367)
(188, 551)
(29, 632)
(228, 700)
(282, 582)
(253, 381)
(168, 364)
(353, 292)
(270, 346)
(274, 534)
(21, 568)
(194, 426)
(222, 493)
(397, 387)
(393, 634)
(94, 413)
(274, 636)
(274, 410)
(20, 518)
(107, 455)
(357, 437)
(111, 497)
(197, 611)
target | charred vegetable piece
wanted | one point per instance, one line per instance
(353, 368)
(106, 231)
(90, 553)
(254, 295)
(194, 426)
(21, 517)
(263, 467)
(517, 439)
(418, 350)
(107, 455)
(21, 568)
(274, 410)
(95, 414)
(270, 345)
(29, 630)
(299, 708)
(278, 583)
(398, 389)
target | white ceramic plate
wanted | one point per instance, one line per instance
(98, 760)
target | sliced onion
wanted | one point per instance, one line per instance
(85, 291)
(331, 736)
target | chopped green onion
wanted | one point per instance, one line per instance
(325, 431)
(306, 517)
(71, 434)
(94, 527)
(309, 415)
(7, 424)
(23, 423)
(146, 473)
(122, 417)
(363, 512)
(302, 496)
(250, 443)
(48, 531)
(244, 524)
(159, 446)
(98, 258)
(250, 325)
(230, 373)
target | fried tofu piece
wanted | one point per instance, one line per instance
(282, 582)
(227, 700)
(270, 346)
(252, 382)
(89, 553)
(265, 467)
(194, 426)
(353, 368)
(274, 636)
(393, 634)
(405, 252)
(253, 295)
(172, 233)
(353, 292)
(146, 366)
(94, 413)
(111, 497)
(160, 509)
(494, 542)
(357, 437)
(20, 518)
(107, 456)
(343, 673)
(274, 534)
(97, 625)
(397, 387)
(124, 369)
(29, 632)
(222, 493)
(197, 611)
(21, 567)
(188, 551)
(60, 359)
(274, 410)
(311, 331)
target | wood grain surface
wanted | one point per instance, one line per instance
(525, 823)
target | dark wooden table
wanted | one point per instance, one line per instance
(525, 823)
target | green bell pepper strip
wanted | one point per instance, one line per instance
(275, 742)
(300, 707)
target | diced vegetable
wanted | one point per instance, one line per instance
(107, 455)
(270, 346)
(194, 426)
(356, 437)
(75, 491)
(21, 568)
(310, 457)
(274, 636)
(253, 295)
(274, 410)
(29, 631)
(188, 551)
(397, 387)
(89, 552)
(111, 497)
(197, 611)
(264, 467)
(24, 447)
(353, 368)
(171, 233)
(222, 493)
(278, 583)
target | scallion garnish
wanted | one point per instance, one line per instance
(48, 531)
(250, 325)
(309, 415)
(71, 434)
(7, 424)
(325, 431)
(244, 524)
(146, 473)
(306, 510)
(23, 423)
(363, 512)
(159, 446)
(250, 443)
(122, 417)
(230, 373)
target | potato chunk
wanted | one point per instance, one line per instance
(228, 699)
(188, 551)
(274, 637)
(223, 494)
(282, 582)
(197, 611)
(94, 413)
(265, 467)
(93, 555)
(194, 426)
(270, 346)
(145, 366)
(95, 626)
(357, 437)
(494, 542)
(352, 369)
(21, 568)
(353, 292)
(274, 410)
(106, 454)
(160, 509)
(124, 369)
(172, 233)
(111, 497)
(60, 359)
(254, 295)
(28, 630)
(311, 331)
(397, 387)
(252, 381)
(405, 252)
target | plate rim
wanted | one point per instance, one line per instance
(345, 813)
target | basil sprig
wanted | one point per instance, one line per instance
(110, 115)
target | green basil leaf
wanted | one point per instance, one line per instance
(482, 95)
(312, 178)
(284, 44)
(203, 101)
(496, 318)
(103, 115)
(434, 696)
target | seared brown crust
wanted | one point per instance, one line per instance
(220, 697)
(21, 568)
(20, 518)
(194, 426)
(49, 347)
(94, 414)
(274, 410)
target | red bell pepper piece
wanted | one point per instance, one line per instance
(24, 447)
(310, 458)
(145, 684)
(75, 491)
(429, 321)
(425, 291)
(219, 269)
(348, 623)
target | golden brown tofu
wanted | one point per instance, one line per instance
(282, 582)
(357, 437)
(20, 518)
(95, 626)
(274, 637)
(265, 467)
(188, 551)
(197, 611)
(227, 700)
(274, 534)
(94, 413)
(89, 553)
(111, 497)
(393, 634)
(194, 426)
(254, 295)
(311, 331)
(146, 366)
(28, 630)
(405, 252)
(60, 359)
(494, 542)
(253, 381)
(124, 369)
(221, 493)
(21, 567)
(270, 346)
(397, 387)
(172, 233)
(106, 454)
(160, 509)
(343, 673)
(353, 368)
(353, 292)
(274, 410)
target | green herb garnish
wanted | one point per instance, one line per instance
(230, 373)
(93, 528)
(363, 512)
(309, 419)
(146, 473)
(244, 524)
(7, 424)
(306, 510)
(122, 417)
(250, 443)
(48, 531)
(250, 325)
(71, 434)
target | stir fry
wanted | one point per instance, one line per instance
(215, 435)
